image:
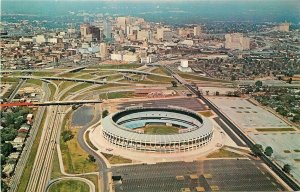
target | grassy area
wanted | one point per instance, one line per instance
(160, 70)
(85, 76)
(35, 81)
(160, 79)
(74, 157)
(275, 129)
(222, 153)
(160, 129)
(69, 185)
(65, 85)
(114, 95)
(94, 179)
(55, 171)
(113, 159)
(206, 113)
(52, 89)
(75, 89)
(87, 138)
(29, 164)
(41, 73)
(201, 78)
(114, 77)
(9, 80)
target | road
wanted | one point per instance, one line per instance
(103, 169)
(13, 94)
(238, 132)
(41, 170)
(29, 142)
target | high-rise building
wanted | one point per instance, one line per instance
(164, 34)
(197, 31)
(122, 22)
(103, 50)
(143, 35)
(237, 41)
(107, 29)
(85, 30)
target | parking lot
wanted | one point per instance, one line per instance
(189, 103)
(286, 147)
(246, 115)
(224, 175)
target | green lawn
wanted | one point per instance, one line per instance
(160, 129)
(275, 129)
(40, 73)
(160, 79)
(9, 80)
(52, 89)
(29, 164)
(113, 159)
(55, 172)
(115, 95)
(160, 70)
(201, 78)
(35, 81)
(75, 159)
(206, 113)
(69, 186)
(222, 153)
(75, 89)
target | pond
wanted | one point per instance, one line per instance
(82, 116)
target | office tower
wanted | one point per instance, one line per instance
(237, 41)
(107, 29)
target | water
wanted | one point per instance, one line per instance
(171, 12)
(82, 116)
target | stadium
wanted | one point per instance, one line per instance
(180, 129)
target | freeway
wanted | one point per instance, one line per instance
(48, 103)
(42, 165)
(13, 94)
(233, 127)
(29, 142)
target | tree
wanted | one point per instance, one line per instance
(286, 168)
(67, 135)
(269, 151)
(290, 80)
(105, 113)
(92, 158)
(174, 83)
(258, 83)
(6, 149)
(257, 149)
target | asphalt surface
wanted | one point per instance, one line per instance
(228, 175)
(191, 103)
(229, 132)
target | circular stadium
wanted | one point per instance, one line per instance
(164, 130)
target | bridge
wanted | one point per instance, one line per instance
(73, 70)
(48, 103)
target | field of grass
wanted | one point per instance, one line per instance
(87, 138)
(113, 159)
(29, 164)
(9, 80)
(275, 129)
(160, 129)
(201, 78)
(52, 89)
(94, 179)
(35, 81)
(69, 186)
(114, 77)
(115, 95)
(55, 171)
(75, 89)
(160, 79)
(160, 70)
(40, 73)
(74, 157)
(222, 153)
(85, 76)
(65, 85)
(206, 113)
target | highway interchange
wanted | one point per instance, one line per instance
(40, 175)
